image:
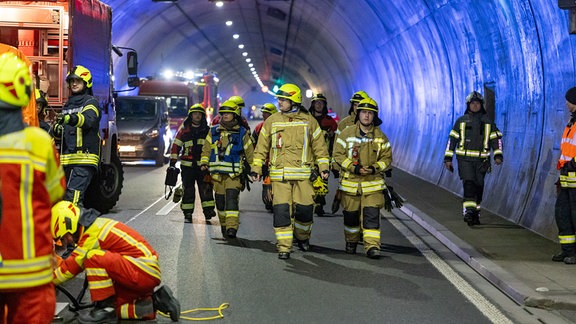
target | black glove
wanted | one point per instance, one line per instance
(398, 201)
(373, 169)
(336, 173)
(253, 174)
(387, 200)
(57, 130)
(326, 172)
(388, 173)
(357, 169)
(172, 163)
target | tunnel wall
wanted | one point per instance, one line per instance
(519, 49)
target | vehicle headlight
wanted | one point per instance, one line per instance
(153, 132)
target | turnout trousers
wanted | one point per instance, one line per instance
(192, 176)
(472, 175)
(565, 214)
(227, 193)
(78, 179)
(362, 215)
(292, 199)
(29, 305)
(111, 274)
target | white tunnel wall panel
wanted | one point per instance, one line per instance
(418, 59)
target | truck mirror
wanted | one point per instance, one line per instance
(132, 61)
(133, 81)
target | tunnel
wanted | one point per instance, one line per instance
(418, 59)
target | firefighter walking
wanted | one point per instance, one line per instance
(188, 147)
(472, 138)
(31, 181)
(227, 153)
(363, 152)
(293, 141)
(78, 131)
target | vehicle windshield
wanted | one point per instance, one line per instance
(136, 109)
(177, 106)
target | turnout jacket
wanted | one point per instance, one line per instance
(225, 150)
(188, 143)
(31, 181)
(81, 136)
(107, 235)
(295, 143)
(472, 137)
(345, 122)
(371, 149)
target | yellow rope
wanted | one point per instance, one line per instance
(219, 309)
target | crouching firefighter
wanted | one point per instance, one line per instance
(227, 147)
(189, 142)
(121, 267)
(363, 152)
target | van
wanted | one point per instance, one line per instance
(143, 130)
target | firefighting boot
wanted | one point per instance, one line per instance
(469, 218)
(231, 232)
(284, 255)
(165, 302)
(209, 213)
(103, 312)
(304, 245)
(223, 230)
(187, 217)
(373, 253)
(351, 247)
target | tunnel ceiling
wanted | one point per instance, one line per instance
(305, 42)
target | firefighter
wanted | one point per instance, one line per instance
(78, 131)
(121, 267)
(293, 140)
(566, 187)
(31, 181)
(188, 143)
(363, 153)
(227, 153)
(267, 110)
(472, 138)
(319, 109)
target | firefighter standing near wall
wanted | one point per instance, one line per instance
(472, 138)
(267, 110)
(363, 152)
(227, 153)
(188, 143)
(31, 181)
(319, 109)
(78, 130)
(293, 140)
(41, 105)
(121, 267)
(565, 208)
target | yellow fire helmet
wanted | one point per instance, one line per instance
(237, 100)
(65, 216)
(358, 96)
(269, 108)
(229, 106)
(15, 82)
(368, 104)
(291, 92)
(80, 72)
(197, 108)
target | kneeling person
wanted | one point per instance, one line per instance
(121, 267)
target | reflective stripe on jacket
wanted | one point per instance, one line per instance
(225, 149)
(81, 142)
(295, 143)
(371, 149)
(472, 137)
(32, 181)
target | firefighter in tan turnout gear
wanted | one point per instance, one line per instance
(363, 153)
(227, 153)
(295, 143)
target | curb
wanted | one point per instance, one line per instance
(503, 280)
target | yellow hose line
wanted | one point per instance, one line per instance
(219, 309)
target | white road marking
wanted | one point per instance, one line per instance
(481, 303)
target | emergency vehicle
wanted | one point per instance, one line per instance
(56, 35)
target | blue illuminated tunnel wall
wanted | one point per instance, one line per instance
(521, 50)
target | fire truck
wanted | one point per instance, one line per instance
(56, 35)
(181, 93)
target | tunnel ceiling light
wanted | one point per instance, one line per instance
(241, 46)
(245, 54)
(251, 65)
(235, 36)
(229, 23)
(248, 60)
